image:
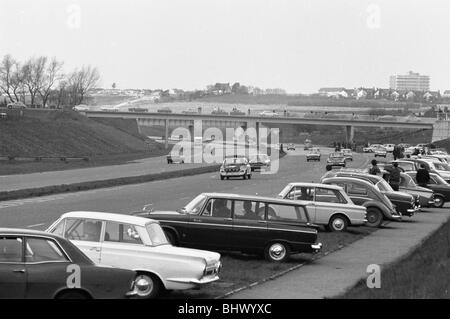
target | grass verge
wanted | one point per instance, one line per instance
(422, 274)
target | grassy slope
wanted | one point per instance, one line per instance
(423, 274)
(56, 133)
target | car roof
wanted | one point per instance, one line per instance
(113, 217)
(349, 179)
(363, 175)
(26, 232)
(315, 185)
(250, 197)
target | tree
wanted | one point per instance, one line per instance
(81, 81)
(235, 88)
(6, 75)
(33, 75)
(114, 85)
(51, 75)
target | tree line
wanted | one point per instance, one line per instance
(42, 81)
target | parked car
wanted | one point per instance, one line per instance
(219, 111)
(308, 144)
(81, 108)
(438, 185)
(389, 147)
(380, 152)
(139, 244)
(327, 205)
(291, 146)
(313, 154)
(190, 111)
(368, 149)
(164, 110)
(37, 265)
(171, 158)
(272, 227)
(336, 159)
(17, 105)
(269, 114)
(433, 166)
(235, 167)
(259, 161)
(364, 193)
(235, 111)
(348, 154)
(405, 204)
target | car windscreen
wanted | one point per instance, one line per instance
(441, 166)
(439, 180)
(383, 186)
(336, 155)
(194, 205)
(231, 161)
(156, 234)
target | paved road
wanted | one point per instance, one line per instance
(164, 194)
(335, 273)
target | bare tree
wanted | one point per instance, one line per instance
(7, 66)
(81, 81)
(51, 75)
(33, 75)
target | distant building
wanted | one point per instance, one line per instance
(446, 93)
(331, 91)
(411, 81)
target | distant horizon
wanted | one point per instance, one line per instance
(299, 46)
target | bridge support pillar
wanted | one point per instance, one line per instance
(350, 133)
(166, 133)
(254, 125)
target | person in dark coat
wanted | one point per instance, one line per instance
(422, 176)
(394, 178)
(374, 170)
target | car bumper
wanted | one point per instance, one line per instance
(240, 173)
(316, 247)
(336, 164)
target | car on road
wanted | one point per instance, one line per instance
(389, 147)
(380, 152)
(235, 112)
(438, 185)
(16, 105)
(336, 159)
(81, 108)
(308, 144)
(405, 203)
(164, 110)
(269, 114)
(327, 205)
(190, 111)
(138, 244)
(37, 265)
(371, 148)
(272, 227)
(235, 167)
(348, 154)
(313, 154)
(219, 111)
(291, 146)
(259, 161)
(364, 193)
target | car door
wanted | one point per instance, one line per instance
(119, 240)
(304, 193)
(213, 227)
(46, 266)
(249, 225)
(13, 276)
(327, 202)
(357, 193)
(85, 233)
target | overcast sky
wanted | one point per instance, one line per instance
(297, 45)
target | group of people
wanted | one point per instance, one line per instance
(340, 145)
(394, 176)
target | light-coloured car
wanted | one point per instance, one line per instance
(81, 108)
(235, 167)
(269, 114)
(348, 154)
(328, 205)
(389, 147)
(380, 152)
(17, 105)
(139, 244)
(313, 155)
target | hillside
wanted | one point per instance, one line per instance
(67, 133)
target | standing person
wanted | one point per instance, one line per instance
(395, 152)
(394, 178)
(329, 172)
(422, 177)
(374, 170)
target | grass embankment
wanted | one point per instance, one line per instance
(425, 273)
(66, 133)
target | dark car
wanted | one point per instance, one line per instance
(431, 166)
(439, 186)
(364, 193)
(275, 228)
(36, 265)
(406, 204)
(336, 159)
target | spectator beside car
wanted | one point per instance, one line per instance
(422, 176)
(394, 178)
(374, 170)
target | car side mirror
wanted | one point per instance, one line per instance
(148, 208)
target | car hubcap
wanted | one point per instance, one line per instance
(372, 217)
(277, 252)
(338, 224)
(437, 201)
(143, 285)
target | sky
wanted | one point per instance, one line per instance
(297, 45)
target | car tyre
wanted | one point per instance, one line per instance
(337, 223)
(244, 176)
(276, 252)
(374, 217)
(249, 176)
(438, 201)
(150, 284)
(222, 177)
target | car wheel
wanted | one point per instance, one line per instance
(249, 176)
(222, 177)
(147, 286)
(72, 295)
(438, 201)
(228, 177)
(244, 176)
(374, 217)
(276, 252)
(338, 223)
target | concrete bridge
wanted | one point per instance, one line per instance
(197, 122)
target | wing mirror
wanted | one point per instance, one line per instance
(148, 208)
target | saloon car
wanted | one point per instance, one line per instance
(433, 166)
(291, 146)
(348, 154)
(269, 114)
(405, 204)
(364, 193)
(380, 152)
(313, 154)
(138, 244)
(336, 159)
(259, 161)
(235, 167)
(438, 185)
(39, 265)
(328, 205)
(274, 228)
